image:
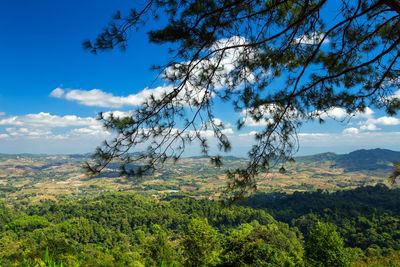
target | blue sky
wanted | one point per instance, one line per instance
(51, 89)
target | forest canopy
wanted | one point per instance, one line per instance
(357, 227)
(279, 62)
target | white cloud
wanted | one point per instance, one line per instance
(2, 114)
(27, 132)
(333, 113)
(11, 121)
(369, 127)
(351, 130)
(47, 120)
(95, 130)
(395, 95)
(338, 113)
(210, 133)
(265, 113)
(217, 122)
(312, 39)
(386, 121)
(226, 58)
(190, 94)
(367, 113)
(99, 98)
(57, 93)
(227, 131)
(253, 123)
(252, 133)
(43, 126)
(118, 114)
(313, 134)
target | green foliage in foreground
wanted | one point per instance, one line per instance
(325, 247)
(47, 262)
(127, 230)
(131, 230)
(201, 243)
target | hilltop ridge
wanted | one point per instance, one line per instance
(358, 160)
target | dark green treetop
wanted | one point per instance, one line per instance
(279, 62)
(201, 244)
(325, 247)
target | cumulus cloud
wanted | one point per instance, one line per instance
(47, 120)
(210, 133)
(2, 114)
(11, 121)
(217, 122)
(395, 95)
(333, 113)
(351, 130)
(366, 113)
(313, 134)
(386, 121)
(338, 113)
(370, 124)
(226, 59)
(43, 126)
(118, 114)
(227, 53)
(248, 121)
(99, 98)
(27, 132)
(227, 131)
(266, 113)
(94, 130)
(369, 127)
(57, 93)
(252, 133)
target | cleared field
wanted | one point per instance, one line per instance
(31, 177)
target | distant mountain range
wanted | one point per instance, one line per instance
(359, 160)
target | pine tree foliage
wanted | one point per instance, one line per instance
(278, 62)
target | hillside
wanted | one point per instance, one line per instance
(30, 178)
(362, 160)
(366, 160)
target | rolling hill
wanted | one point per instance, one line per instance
(363, 160)
(33, 177)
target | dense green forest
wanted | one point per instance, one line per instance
(356, 227)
